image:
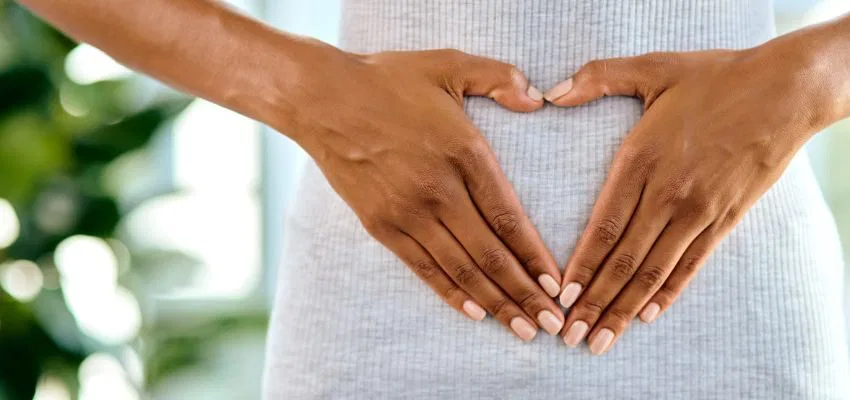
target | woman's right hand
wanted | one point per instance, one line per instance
(389, 132)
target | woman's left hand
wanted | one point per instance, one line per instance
(719, 129)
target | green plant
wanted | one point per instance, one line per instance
(49, 150)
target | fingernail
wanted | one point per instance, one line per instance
(550, 323)
(601, 342)
(570, 294)
(576, 333)
(534, 93)
(650, 313)
(473, 310)
(523, 329)
(559, 90)
(549, 284)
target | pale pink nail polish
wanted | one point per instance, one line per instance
(549, 284)
(601, 341)
(534, 93)
(473, 310)
(650, 313)
(523, 329)
(570, 294)
(550, 323)
(559, 90)
(576, 333)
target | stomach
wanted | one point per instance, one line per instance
(763, 319)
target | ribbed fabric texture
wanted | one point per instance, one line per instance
(763, 320)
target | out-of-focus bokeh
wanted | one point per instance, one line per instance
(140, 229)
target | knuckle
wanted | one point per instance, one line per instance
(506, 224)
(734, 214)
(494, 262)
(528, 299)
(500, 307)
(451, 292)
(700, 205)
(533, 263)
(673, 194)
(636, 156)
(430, 193)
(691, 263)
(450, 59)
(593, 307)
(399, 211)
(376, 226)
(619, 315)
(465, 275)
(650, 277)
(607, 230)
(623, 266)
(425, 268)
(466, 155)
(584, 271)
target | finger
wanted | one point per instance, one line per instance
(644, 76)
(499, 264)
(418, 260)
(613, 209)
(621, 265)
(457, 264)
(654, 271)
(686, 269)
(479, 76)
(498, 204)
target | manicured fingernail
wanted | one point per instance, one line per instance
(523, 329)
(534, 93)
(559, 90)
(549, 284)
(650, 313)
(473, 310)
(601, 342)
(576, 333)
(550, 323)
(570, 294)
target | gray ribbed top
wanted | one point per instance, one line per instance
(763, 320)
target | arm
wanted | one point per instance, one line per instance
(387, 130)
(198, 46)
(719, 129)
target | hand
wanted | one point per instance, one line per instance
(389, 132)
(719, 129)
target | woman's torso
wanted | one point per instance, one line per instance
(762, 320)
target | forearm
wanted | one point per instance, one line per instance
(822, 54)
(839, 54)
(198, 46)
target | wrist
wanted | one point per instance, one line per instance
(300, 85)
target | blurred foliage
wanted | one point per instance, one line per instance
(52, 164)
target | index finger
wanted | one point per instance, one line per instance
(495, 198)
(611, 214)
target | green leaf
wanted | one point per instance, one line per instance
(108, 142)
(22, 87)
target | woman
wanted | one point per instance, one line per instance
(714, 145)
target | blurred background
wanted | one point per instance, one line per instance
(140, 229)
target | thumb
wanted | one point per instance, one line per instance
(502, 82)
(644, 76)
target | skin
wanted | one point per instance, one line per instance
(388, 131)
(719, 129)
